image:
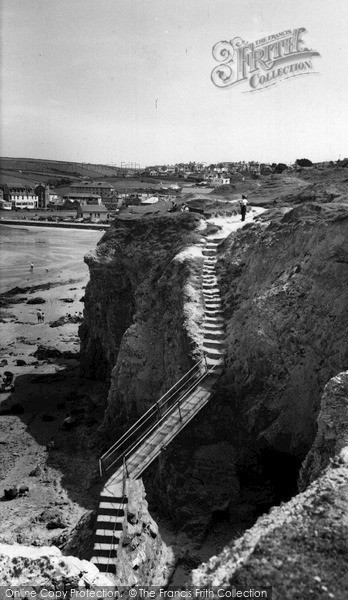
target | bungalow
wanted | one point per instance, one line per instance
(93, 212)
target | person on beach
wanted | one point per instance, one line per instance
(31, 266)
(39, 315)
(243, 206)
(43, 317)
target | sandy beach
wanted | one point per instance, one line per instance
(35, 448)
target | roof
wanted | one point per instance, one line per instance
(20, 188)
(81, 195)
(94, 208)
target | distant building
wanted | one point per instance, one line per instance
(105, 190)
(220, 179)
(22, 197)
(43, 194)
(94, 212)
(84, 199)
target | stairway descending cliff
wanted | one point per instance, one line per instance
(150, 435)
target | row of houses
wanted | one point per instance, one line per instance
(40, 196)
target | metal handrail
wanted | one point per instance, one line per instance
(123, 455)
(159, 409)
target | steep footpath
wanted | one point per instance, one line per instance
(213, 326)
(112, 528)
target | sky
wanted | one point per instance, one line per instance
(112, 81)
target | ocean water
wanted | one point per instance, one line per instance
(52, 251)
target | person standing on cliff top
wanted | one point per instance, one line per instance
(243, 206)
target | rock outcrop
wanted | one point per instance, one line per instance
(143, 558)
(332, 435)
(300, 548)
(143, 314)
(284, 285)
(46, 567)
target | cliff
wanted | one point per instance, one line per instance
(143, 558)
(284, 289)
(332, 434)
(284, 284)
(299, 548)
(143, 314)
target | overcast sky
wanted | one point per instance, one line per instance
(111, 81)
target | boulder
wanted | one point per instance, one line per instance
(11, 493)
(36, 300)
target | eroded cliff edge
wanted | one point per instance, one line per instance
(284, 287)
(143, 312)
(301, 547)
(284, 284)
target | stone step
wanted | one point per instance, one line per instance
(107, 518)
(107, 510)
(217, 335)
(214, 344)
(212, 353)
(213, 298)
(211, 290)
(107, 553)
(103, 546)
(216, 320)
(109, 525)
(106, 537)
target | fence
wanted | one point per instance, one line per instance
(116, 456)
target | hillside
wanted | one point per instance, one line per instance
(30, 171)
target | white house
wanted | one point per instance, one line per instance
(94, 212)
(23, 197)
(220, 180)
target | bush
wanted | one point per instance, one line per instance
(304, 162)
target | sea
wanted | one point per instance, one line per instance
(51, 250)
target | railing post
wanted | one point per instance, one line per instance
(180, 416)
(205, 362)
(100, 468)
(124, 477)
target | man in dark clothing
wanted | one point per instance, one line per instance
(243, 207)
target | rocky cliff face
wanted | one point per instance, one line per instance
(284, 285)
(285, 291)
(143, 558)
(300, 548)
(142, 311)
(332, 435)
